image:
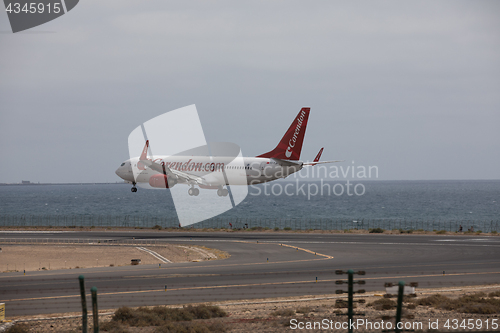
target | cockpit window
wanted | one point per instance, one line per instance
(122, 164)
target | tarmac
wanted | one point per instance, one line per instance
(262, 264)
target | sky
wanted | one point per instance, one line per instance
(411, 87)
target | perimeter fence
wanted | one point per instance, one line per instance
(304, 293)
(128, 221)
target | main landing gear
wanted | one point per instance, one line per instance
(194, 191)
(133, 189)
(222, 192)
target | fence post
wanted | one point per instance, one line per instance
(350, 294)
(95, 313)
(400, 305)
(84, 303)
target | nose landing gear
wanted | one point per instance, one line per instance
(133, 189)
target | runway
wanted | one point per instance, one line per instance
(270, 264)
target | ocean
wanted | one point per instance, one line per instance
(434, 205)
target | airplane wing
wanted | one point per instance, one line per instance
(162, 168)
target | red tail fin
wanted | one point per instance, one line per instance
(291, 144)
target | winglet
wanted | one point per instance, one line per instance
(318, 156)
(316, 160)
(144, 155)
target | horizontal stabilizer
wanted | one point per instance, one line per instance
(286, 162)
(314, 163)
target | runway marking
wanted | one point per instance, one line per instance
(391, 243)
(308, 251)
(242, 285)
(293, 247)
(465, 240)
(440, 265)
(35, 232)
(154, 254)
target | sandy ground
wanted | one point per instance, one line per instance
(50, 257)
(257, 317)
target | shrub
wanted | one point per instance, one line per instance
(494, 294)
(383, 304)
(112, 327)
(440, 232)
(287, 228)
(157, 227)
(158, 316)
(138, 317)
(475, 303)
(206, 311)
(376, 231)
(494, 232)
(256, 228)
(433, 300)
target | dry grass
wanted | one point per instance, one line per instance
(475, 303)
(18, 328)
(112, 327)
(191, 327)
(161, 316)
(283, 313)
(344, 305)
(303, 309)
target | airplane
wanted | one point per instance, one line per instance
(216, 172)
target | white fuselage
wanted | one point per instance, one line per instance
(215, 170)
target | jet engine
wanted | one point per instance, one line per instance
(162, 181)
